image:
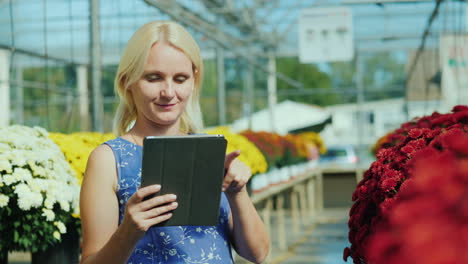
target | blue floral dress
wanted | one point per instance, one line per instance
(175, 244)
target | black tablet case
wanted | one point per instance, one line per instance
(192, 167)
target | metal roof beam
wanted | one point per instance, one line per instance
(380, 2)
(244, 19)
(233, 16)
(237, 46)
(190, 19)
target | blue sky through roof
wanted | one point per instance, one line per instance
(61, 28)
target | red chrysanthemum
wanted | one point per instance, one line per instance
(378, 193)
(429, 221)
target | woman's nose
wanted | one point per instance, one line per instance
(168, 89)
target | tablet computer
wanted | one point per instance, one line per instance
(191, 167)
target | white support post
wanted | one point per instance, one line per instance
(272, 99)
(221, 85)
(82, 83)
(95, 54)
(4, 88)
(19, 95)
(249, 94)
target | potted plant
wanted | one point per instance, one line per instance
(39, 193)
(429, 221)
(377, 193)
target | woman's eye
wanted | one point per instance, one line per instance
(152, 77)
(180, 79)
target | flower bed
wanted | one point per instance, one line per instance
(250, 154)
(77, 146)
(314, 143)
(286, 156)
(38, 191)
(429, 222)
(269, 144)
(378, 193)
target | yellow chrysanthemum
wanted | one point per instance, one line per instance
(250, 154)
(78, 146)
(299, 144)
(315, 139)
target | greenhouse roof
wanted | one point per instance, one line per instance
(61, 29)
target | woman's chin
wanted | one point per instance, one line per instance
(166, 121)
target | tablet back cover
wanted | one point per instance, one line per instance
(192, 167)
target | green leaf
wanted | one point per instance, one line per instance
(16, 236)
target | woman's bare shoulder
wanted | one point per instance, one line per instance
(102, 152)
(101, 162)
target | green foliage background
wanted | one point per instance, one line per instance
(51, 97)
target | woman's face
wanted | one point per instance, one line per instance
(162, 92)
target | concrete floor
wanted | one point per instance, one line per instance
(324, 243)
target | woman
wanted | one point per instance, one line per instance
(158, 82)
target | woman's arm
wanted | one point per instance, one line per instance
(249, 234)
(104, 241)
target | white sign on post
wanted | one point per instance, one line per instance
(454, 64)
(325, 34)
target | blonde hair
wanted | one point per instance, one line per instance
(131, 69)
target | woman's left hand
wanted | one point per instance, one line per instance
(236, 175)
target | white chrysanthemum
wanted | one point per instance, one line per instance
(61, 227)
(38, 171)
(27, 198)
(38, 185)
(49, 214)
(17, 158)
(5, 165)
(22, 174)
(49, 202)
(4, 147)
(8, 179)
(35, 167)
(4, 200)
(57, 235)
(65, 205)
(76, 210)
(41, 131)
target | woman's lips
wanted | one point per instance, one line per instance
(166, 106)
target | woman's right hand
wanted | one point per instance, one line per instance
(142, 214)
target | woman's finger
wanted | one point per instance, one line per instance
(227, 181)
(230, 158)
(139, 195)
(158, 219)
(157, 201)
(160, 210)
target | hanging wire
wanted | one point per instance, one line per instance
(419, 52)
(430, 71)
(440, 68)
(436, 77)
